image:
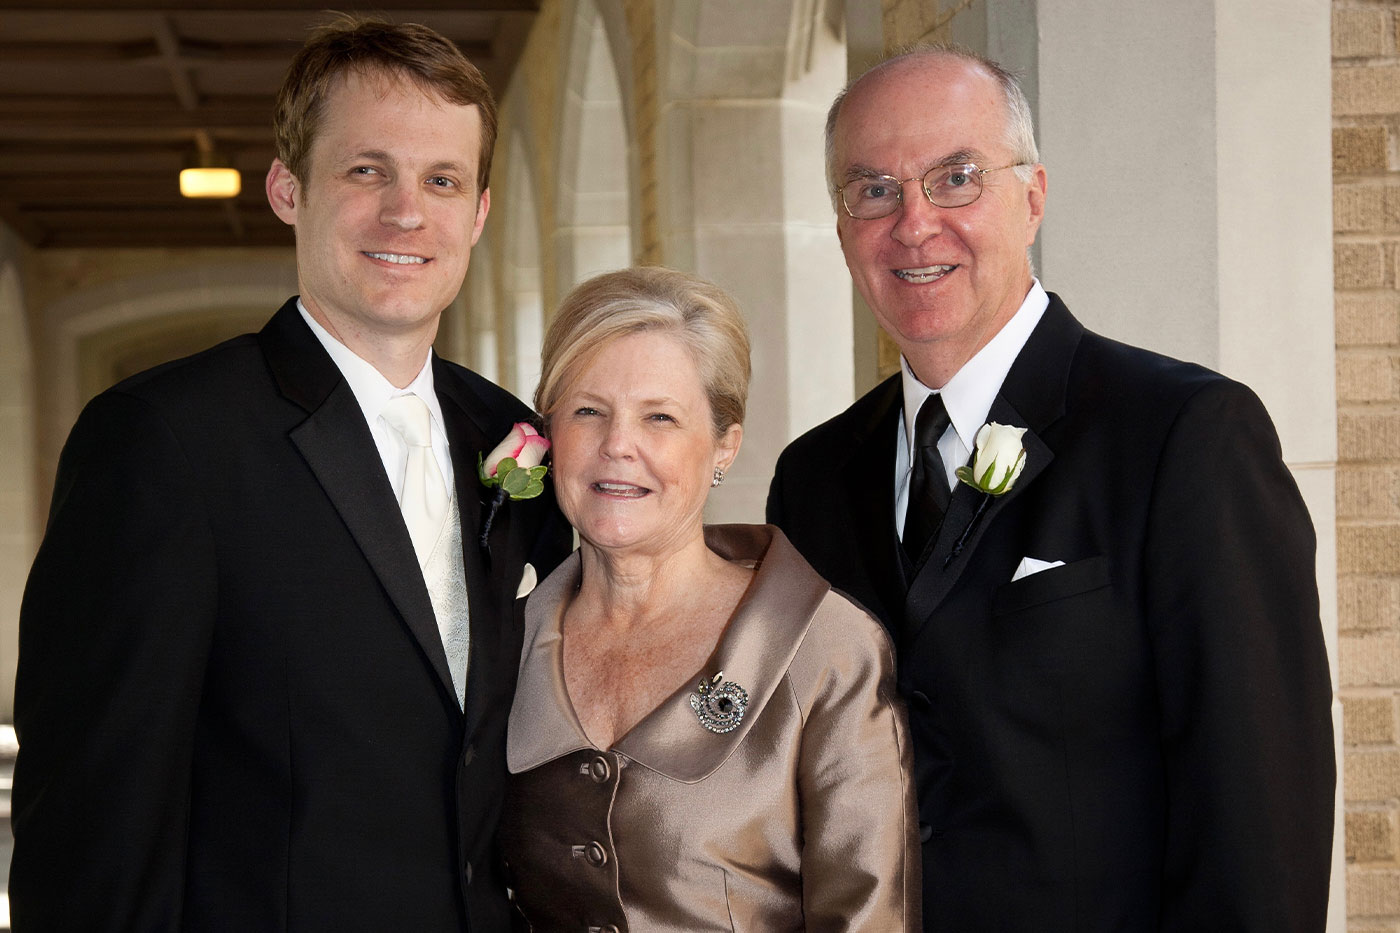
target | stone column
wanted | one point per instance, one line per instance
(742, 203)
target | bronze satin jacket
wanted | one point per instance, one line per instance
(800, 818)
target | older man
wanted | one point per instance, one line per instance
(1114, 669)
(265, 660)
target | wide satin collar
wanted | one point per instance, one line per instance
(757, 646)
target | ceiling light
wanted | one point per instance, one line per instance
(210, 178)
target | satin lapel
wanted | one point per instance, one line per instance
(336, 443)
(467, 423)
(869, 475)
(938, 573)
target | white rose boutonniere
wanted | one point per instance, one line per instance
(998, 461)
(515, 469)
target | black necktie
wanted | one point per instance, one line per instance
(928, 480)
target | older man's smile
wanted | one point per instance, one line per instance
(924, 274)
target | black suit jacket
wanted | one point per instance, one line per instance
(233, 703)
(1140, 739)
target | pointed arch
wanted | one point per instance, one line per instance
(592, 230)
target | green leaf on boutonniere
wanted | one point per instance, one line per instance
(516, 481)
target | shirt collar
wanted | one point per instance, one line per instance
(371, 389)
(968, 396)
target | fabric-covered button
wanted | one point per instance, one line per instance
(598, 769)
(597, 855)
(925, 832)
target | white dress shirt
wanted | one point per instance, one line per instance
(372, 391)
(968, 396)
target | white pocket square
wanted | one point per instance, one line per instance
(528, 579)
(1030, 565)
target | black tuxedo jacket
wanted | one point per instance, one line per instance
(233, 703)
(1140, 739)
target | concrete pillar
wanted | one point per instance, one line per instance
(747, 86)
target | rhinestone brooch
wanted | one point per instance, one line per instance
(719, 705)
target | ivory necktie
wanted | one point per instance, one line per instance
(928, 479)
(424, 499)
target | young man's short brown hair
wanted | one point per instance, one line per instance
(371, 46)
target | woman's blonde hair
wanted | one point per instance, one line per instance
(650, 298)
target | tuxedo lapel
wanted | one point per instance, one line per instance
(469, 425)
(869, 476)
(1033, 397)
(337, 446)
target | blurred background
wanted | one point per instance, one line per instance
(1224, 186)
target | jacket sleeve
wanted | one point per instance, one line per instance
(860, 845)
(115, 629)
(1242, 676)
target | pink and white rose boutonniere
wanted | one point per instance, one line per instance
(515, 469)
(515, 465)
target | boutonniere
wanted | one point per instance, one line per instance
(515, 469)
(998, 461)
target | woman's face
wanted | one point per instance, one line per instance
(634, 446)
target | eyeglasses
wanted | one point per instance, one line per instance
(873, 196)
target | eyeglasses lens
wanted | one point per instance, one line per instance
(877, 196)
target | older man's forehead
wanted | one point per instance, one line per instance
(936, 94)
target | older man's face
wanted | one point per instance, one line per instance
(941, 281)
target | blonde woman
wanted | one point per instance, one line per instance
(704, 736)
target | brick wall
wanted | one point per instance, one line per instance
(1366, 233)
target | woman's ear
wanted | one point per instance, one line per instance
(729, 444)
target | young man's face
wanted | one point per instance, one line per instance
(389, 211)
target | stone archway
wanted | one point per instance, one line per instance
(102, 333)
(592, 204)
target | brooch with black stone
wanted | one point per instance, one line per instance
(719, 705)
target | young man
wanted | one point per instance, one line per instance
(265, 665)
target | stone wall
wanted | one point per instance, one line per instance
(1366, 230)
